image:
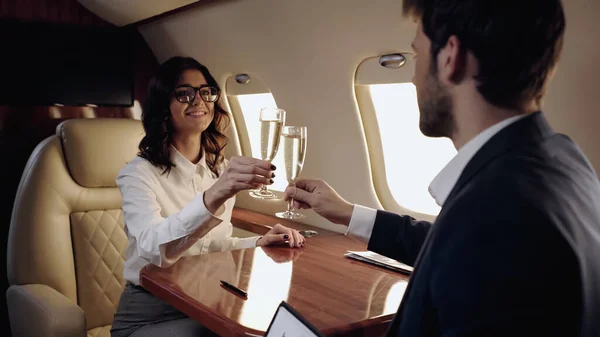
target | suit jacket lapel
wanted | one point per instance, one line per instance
(531, 129)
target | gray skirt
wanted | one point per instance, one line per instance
(141, 314)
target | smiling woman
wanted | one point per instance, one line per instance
(186, 93)
(179, 193)
(163, 116)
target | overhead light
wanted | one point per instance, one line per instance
(392, 60)
(242, 78)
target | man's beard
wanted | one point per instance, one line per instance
(435, 106)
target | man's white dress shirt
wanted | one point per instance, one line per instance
(363, 218)
(163, 211)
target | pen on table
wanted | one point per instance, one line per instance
(234, 288)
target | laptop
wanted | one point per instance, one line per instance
(287, 322)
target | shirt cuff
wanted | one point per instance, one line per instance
(195, 214)
(362, 222)
(247, 242)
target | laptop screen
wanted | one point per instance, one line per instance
(289, 323)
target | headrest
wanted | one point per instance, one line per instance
(97, 149)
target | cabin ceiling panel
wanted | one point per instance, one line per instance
(124, 12)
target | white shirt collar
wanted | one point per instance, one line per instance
(186, 167)
(442, 184)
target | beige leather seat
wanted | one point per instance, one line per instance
(66, 240)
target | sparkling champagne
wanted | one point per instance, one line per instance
(270, 130)
(294, 149)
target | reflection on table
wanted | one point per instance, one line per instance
(338, 295)
(277, 275)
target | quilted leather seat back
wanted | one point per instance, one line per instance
(99, 242)
(67, 224)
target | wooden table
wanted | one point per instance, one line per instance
(340, 296)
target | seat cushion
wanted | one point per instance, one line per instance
(103, 331)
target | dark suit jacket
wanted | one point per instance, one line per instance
(515, 250)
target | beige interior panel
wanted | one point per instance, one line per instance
(307, 53)
(572, 104)
(123, 12)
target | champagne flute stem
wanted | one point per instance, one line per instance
(290, 205)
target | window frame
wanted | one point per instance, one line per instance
(370, 72)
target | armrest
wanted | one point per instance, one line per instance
(38, 310)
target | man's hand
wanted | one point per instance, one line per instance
(323, 199)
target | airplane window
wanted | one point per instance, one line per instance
(250, 105)
(411, 159)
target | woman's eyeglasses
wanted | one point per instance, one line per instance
(187, 93)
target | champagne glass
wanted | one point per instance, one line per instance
(294, 150)
(271, 122)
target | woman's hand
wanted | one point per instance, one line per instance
(281, 234)
(282, 255)
(242, 173)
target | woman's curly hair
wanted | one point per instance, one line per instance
(156, 117)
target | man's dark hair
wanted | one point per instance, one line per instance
(516, 42)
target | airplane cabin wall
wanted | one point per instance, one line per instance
(571, 101)
(306, 52)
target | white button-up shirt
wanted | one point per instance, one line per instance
(363, 218)
(165, 216)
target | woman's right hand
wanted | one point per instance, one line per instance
(242, 173)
